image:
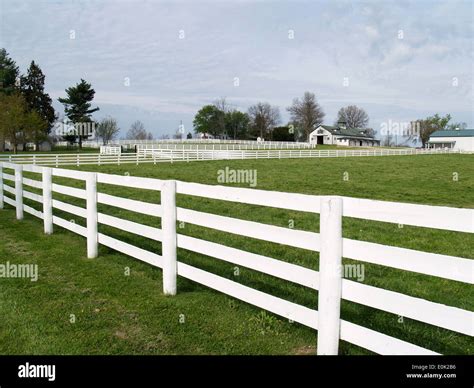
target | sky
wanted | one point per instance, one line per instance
(160, 61)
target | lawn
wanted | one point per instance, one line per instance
(119, 314)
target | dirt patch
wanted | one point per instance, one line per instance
(305, 351)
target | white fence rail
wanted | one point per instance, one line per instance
(330, 243)
(171, 155)
(226, 146)
(244, 144)
(110, 150)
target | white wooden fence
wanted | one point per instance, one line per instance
(171, 155)
(226, 146)
(110, 150)
(329, 242)
(243, 144)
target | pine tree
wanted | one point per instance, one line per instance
(8, 73)
(77, 106)
(32, 89)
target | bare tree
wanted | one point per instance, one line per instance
(107, 129)
(354, 116)
(263, 118)
(222, 104)
(137, 132)
(388, 141)
(223, 107)
(306, 113)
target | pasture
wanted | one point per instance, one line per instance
(119, 314)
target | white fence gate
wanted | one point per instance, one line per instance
(329, 242)
(110, 150)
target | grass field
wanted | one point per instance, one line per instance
(118, 314)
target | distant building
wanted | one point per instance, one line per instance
(342, 136)
(44, 145)
(462, 139)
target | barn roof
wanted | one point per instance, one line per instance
(347, 132)
(460, 133)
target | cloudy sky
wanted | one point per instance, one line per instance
(160, 61)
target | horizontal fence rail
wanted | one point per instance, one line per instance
(244, 144)
(155, 155)
(328, 282)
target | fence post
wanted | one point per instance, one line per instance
(168, 226)
(19, 191)
(47, 200)
(330, 276)
(91, 194)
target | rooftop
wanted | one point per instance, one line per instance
(348, 132)
(454, 133)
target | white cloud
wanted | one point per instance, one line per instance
(172, 77)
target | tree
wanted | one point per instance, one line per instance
(457, 126)
(12, 118)
(284, 133)
(137, 132)
(32, 89)
(432, 124)
(208, 120)
(189, 135)
(35, 128)
(263, 118)
(221, 120)
(238, 124)
(8, 73)
(306, 113)
(107, 130)
(387, 140)
(77, 106)
(354, 117)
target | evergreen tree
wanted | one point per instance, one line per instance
(8, 73)
(32, 89)
(77, 106)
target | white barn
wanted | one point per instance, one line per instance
(462, 140)
(342, 136)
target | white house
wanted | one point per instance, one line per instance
(462, 139)
(342, 136)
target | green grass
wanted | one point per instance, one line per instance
(120, 314)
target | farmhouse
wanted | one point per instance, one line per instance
(343, 136)
(462, 140)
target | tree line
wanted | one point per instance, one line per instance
(262, 120)
(27, 114)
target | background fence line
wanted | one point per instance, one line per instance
(329, 242)
(244, 144)
(170, 155)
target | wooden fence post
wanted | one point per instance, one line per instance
(91, 193)
(47, 200)
(19, 191)
(330, 276)
(1, 186)
(168, 226)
